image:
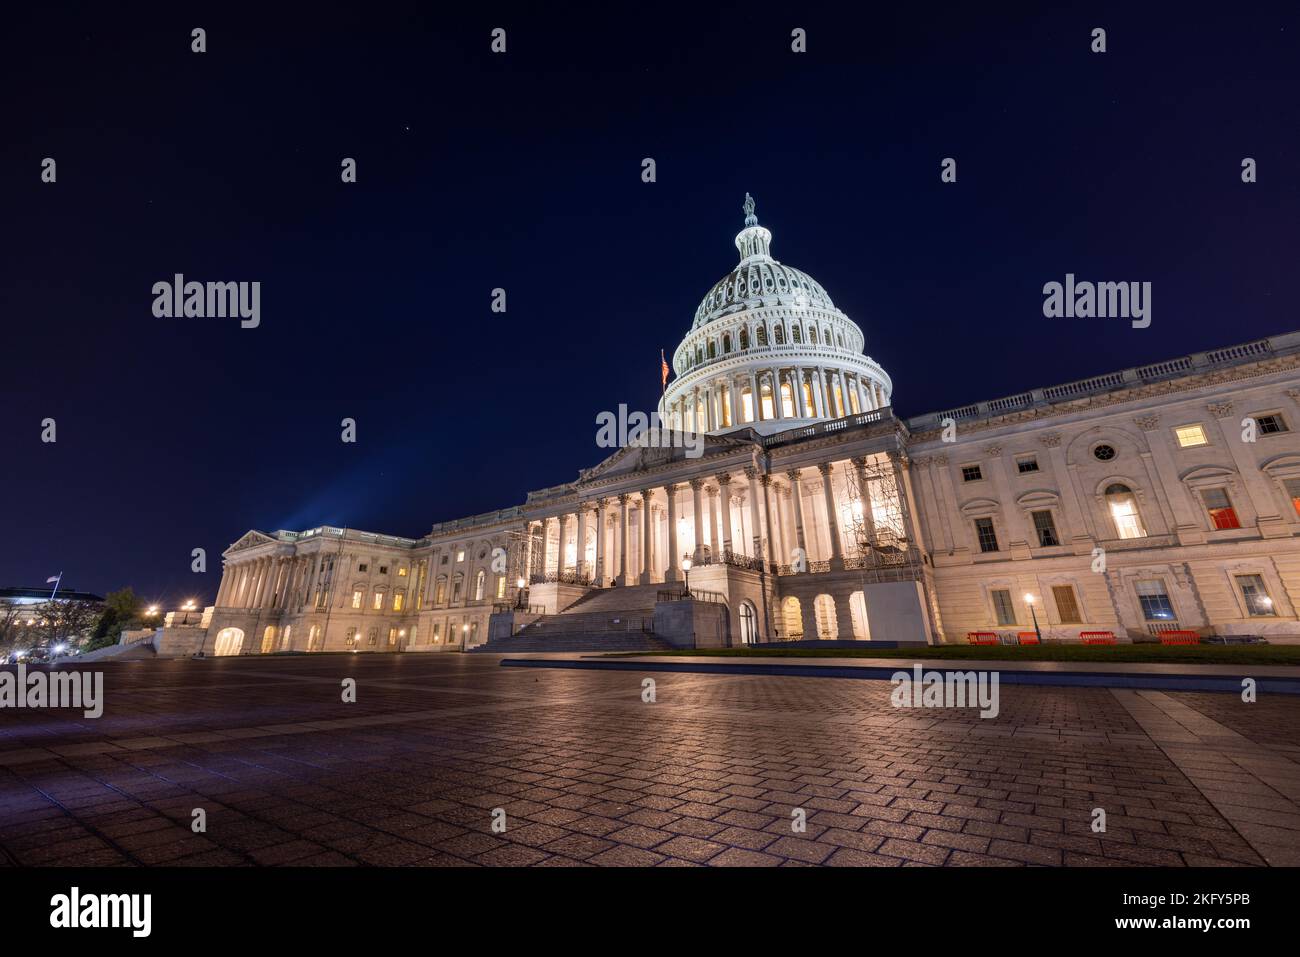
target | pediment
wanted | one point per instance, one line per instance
(251, 539)
(980, 506)
(1038, 497)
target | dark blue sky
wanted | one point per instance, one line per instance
(523, 171)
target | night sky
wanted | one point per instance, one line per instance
(522, 171)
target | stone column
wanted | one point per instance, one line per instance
(733, 396)
(583, 511)
(724, 485)
(622, 538)
(800, 405)
(224, 588)
(674, 558)
(698, 509)
(778, 529)
(755, 525)
(765, 481)
(796, 493)
(259, 583)
(832, 518)
(600, 576)
(755, 403)
(645, 537)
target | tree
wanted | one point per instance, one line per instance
(122, 611)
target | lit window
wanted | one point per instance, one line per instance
(460, 554)
(1067, 606)
(401, 571)
(1002, 606)
(1154, 600)
(988, 538)
(399, 598)
(1258, 604)
(1271, 424)
(1124, 511)
(1190, 436)
(1217, 503)
(480, 581)
(357, 598)
(501, 586)
(1046, 529)
(1293, 493)
(1026, 465)
(378, 603)
(971, 473)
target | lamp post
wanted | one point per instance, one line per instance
(686, 568)
(188, 607)
(521, 596)
(1029, 600)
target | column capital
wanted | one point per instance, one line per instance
(671, 488)
(697, 484)
(750, 471)
(859, 461)
(623, 498)
(824, 468)
(724, 478)
(646, 494)
(793, 475)
(765, 480)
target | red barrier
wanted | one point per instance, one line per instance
(1097, 637)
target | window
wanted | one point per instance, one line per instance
(971, 473)
(1045, 528)
(392, 637)
(350, 638)
(744, 338)
(1258, 604)
(440, 591)
(1154, 600)
(501, 586)
(362, 568)
(401, 571)
(460, 554)
(383, 569)
(760, 335)
(796, 335)
(1217, 503)
(1271, 424)
(726, 343)
(812, 334)
(778, 335)
(1002, 606)
(456, 585)
(1124, 511)
(1293, 493)
(443, 561)
(988, 538)
(437, 632)
(378, 602)
(713, 349)
(1067, 608)
(1103, 452)
(357, 598)
(399, 598)
(480, 582)
(1027, 465)
(1190, 436)
(372, 637)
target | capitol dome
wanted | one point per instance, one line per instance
(768, 350)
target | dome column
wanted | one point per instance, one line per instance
(798, 393)
(832, 519)
(698, 515)
(724, 486)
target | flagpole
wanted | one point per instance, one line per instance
(57, 582)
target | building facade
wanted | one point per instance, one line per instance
(1150, 499)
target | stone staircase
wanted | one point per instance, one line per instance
(604, 619)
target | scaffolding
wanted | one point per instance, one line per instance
(875, 519)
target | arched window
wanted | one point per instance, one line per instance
(699, 355)
(826, 336)
(457, 586)
(812, 335)
(796, 336)
(480, 582)
(726, 343)
(787, 401)
(778, 335)
(744, 338)
(713, 349)
(440, 590)
(228, 641)
(760, 335)
(1124, 511)
(765, 407)
(792, 615)
(748, 623)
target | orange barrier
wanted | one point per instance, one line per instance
(1179, 638)
(1097, 637)
(982, 638)
(1028, 638)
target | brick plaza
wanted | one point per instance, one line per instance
(588, 773)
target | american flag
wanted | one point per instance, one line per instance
(663, 369)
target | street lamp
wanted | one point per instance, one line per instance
(1029, 600)
(686, 567)
(521, 595)
(188, 607)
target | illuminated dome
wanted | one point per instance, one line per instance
(768, 350)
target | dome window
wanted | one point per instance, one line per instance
(726, 344)
(795, 335)
(761, 335)
(744, 338)
(812, 334)
(778, 335)
(713, 349)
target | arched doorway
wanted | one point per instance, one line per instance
(858, 611)
(748, 623)
(268, 640)
(792, 613)
(824, 609)
(229, 641)
(286, 638)
(315, 638)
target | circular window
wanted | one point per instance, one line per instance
(1104, 453)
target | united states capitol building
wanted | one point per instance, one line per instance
(1165, 497)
